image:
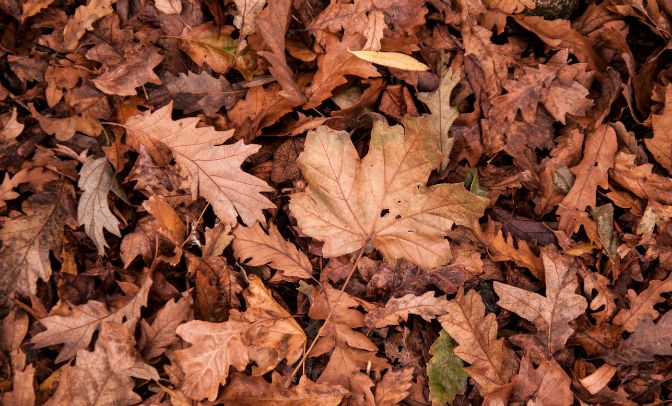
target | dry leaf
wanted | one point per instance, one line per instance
(23, 392)
(596, 381)
(492, 363)
(160, 334)
(395, 60)
(208, 44)
(65, 128)
(552, 313)
(166, 219)
(83, 20)
(394, 386)
(253, 246)
(212, 169)
(11, 128)
(548, 384)
(168, 6)
(641, 305)
(29, 239)
(660, 145)
(256, 391)
(134, 72)
(648, 340)
(118, 342)
(192, 92)
(397, 310)
(381, 199)
(96, 180)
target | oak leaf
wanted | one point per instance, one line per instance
(29, 239)
(118, 342)
(192, 92)
(604, 302)
(381, 199)
(23, 391)
(214, 348)
(548, 384)
(209, 44)
(552, 313)
(96, 180)
(492, 363)
(640, 180)
(262, 107)
(272, 26)
(253, 246)
(75, 328)
(213, 170)
(641, 305)
(648, 340)
(397, 310)
(256, 391)
(65, 128)
(134, 72)
(444, 370)
(395, 60)
(394, 387)
(158, 335)
(332, 66)
(660, 144)
(83, 20)
(443, 114)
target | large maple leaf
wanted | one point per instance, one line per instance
(213, 169)
(383, 198)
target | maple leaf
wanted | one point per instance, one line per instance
(492, 363)
(548, 384)
(397, 310)
(598, 157)
(75, 328)
(158, 335)
(83, 21)
(381, 199)
(272, 26)
(192, 92)
(444, 370)
(133, 72)
(253, 246)
(648, 340)
(212, 169)
(641, 305)
(23, 392)
(29, 239)
(96, 179)
(443, 114)
(550, 314)
(333, 65)
(351, 351)
(256, 391)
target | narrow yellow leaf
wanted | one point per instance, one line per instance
(391, 60)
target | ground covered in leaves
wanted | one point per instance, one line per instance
(368, 202)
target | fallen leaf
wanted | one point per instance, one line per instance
(11, 128)
(132, 73)
(381, 199)
(168, 6)
(648, 340)
(660, 145)
(192, 92)
(596, 381)
(492, 363)
(118, 342)
(641, 305)
(29, 239)
(397, 310)
(156, 337)
(394, 386)
(443, 114)
(166, 220)
(251, 245)
(447, 379)
(395, 60)
(548, 384)
(256, 391)
(34, 7)
(552, 313)
(65, 128)
(248, 14)
(96, 180)
(640, 180)
(23, 392)
(212, 169)
(603, 303)
(208, 44)
(83, 20)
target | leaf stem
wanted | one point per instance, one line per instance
(331, 313)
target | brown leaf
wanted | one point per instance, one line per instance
(212, 169)
(262, 107)
(397, 310)
(284, 161)
(648, 340)
(591, 172)
(208, 44)
(29, 239)
(604, 299)
(641, 305)
(550, 314)
(23, 392)
(492, 363)
(166, 220)
(381, 199)
(65, 128)
(660, 145)
(217, 287)
(133, 72)
(333, 65)
(75, 328)
(168, 6)
(253, 246)
(117, 341)
(548, 384)
(83, 21)
(256, 391)
(192, 92)
(272, 26)
(394, 386)
(160, 334)
(640, 180)
(248, 14)
(11, 128)
(596, 381)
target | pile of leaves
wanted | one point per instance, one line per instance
(368, 202)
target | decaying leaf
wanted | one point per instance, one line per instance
(548, 384)
(381, 199)
(552, 313)
(641, 305)
(444, 370)
(397, 310)
(648, 340)
(660, 144)
(256, 391)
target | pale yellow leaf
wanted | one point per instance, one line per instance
(391, 60)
